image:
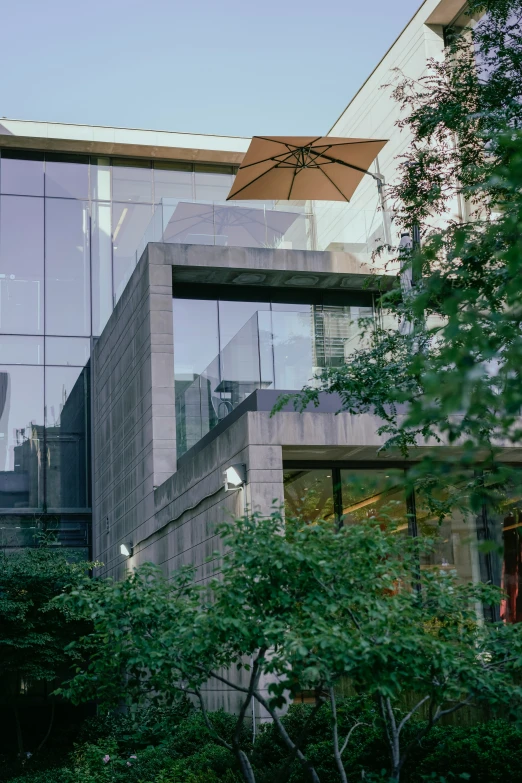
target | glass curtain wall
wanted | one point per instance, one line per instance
(225, 350)
(69, 229)
(347, 495)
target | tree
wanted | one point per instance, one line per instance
(450, 373)
(299, 608)
(34, 630)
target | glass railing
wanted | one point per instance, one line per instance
(273, 350)
(312, 226)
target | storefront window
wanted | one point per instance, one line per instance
(374, 494)
(309, 494)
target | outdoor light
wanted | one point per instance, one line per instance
(235, 476)
(126, 550)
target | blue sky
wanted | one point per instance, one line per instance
(238, 67)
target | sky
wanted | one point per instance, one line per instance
(231, 67)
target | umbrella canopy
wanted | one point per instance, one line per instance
(317, 168)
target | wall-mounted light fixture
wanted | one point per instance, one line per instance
(126, 550)
(235, 476)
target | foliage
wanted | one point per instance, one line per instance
(35, 630)
(306, 606)
(480, 753)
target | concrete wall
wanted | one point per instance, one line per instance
(137, 499)
(373, 113)
(133, 410)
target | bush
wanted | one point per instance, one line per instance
(169, 746)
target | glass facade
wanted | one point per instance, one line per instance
(70, 226)
(224, 350)
(346, 495)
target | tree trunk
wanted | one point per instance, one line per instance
(19, 736)
(246, 767)
(49, 728)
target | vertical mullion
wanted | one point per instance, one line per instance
(337, 496)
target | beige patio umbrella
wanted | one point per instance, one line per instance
(302, 168)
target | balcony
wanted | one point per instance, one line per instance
(275, 349)
(308, 226)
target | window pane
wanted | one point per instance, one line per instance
(21, 436)
(456, 547)
(21, 264)
(65, 437)
(233, 316)
(68, 532)
(22, 174)
(21, 350)
(129, 223)
(67, 287)
(101, 260)
(131, 183)
(171, 183)
(309, 494)
(380, 494)
(213, 187)
(100, 179)
(68, 178)
(73, 351)
(506, 570)
(196, 369)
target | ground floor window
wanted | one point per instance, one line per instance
(347, 494)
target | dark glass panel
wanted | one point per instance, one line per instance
(129, 223)
(21, 350)
(309, 494)
(131, 182)
(101, 179)
(369, 494)
(22, 173)
(101, 261)
(66, 391)
(70, 533)
(504, 567)
(21, 436)
(67, 351)
(21, 264)
(213, 187)
(66, 176)
(67, 267)
(173, 181)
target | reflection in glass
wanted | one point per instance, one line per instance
(66, 392)
(293, 347)
(309, 494)
(66, 176)
(71, 533)
(21, 436)
(131, 183)
(21, 264)
(196, 345)
(212, 186)
(172, 181)
(505, 529)
(67, 351)
(456, 536)
(22, 173)
(21, 350)
(368, 494)
(101, 261)
(129, 223)
(67, 267)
